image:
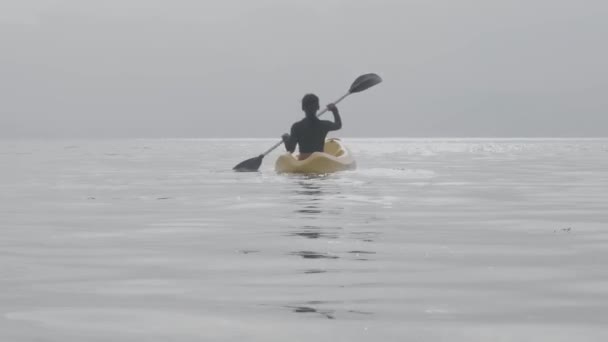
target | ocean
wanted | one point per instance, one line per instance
(428, 240)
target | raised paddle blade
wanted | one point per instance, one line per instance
(249, 165)
(364, 82)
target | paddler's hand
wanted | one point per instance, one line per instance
(285, 137)
(332, 108)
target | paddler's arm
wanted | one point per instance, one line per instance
(337, 124)
(290, 140)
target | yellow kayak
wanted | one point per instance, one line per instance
(335, 157)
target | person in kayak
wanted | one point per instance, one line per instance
(310, 133)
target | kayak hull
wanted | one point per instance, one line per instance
(336, 157)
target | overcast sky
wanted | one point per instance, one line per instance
(238, 68)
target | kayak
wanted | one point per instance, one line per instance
(335, 157)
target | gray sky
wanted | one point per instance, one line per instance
(238, 68)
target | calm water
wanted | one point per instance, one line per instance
(429, 240)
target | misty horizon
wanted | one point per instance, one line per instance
(230, 69)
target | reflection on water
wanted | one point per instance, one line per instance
(310, 235)
(309, 209)
(314, 271)
(311, 197)
(329, 314)
(365, 236)
(248, 251)
(314, 255)
(319, 200)
(314, 232)
(308, 195)
(361, 255)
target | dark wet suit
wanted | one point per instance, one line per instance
(310, 133)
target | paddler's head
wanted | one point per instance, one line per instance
(310, 105)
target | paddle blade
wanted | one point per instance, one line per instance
(249, 165)
(364, 82)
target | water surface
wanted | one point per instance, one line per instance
(438, 239)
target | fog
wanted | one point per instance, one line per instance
(238, 68)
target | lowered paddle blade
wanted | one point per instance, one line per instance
(364, 82)
(249, 165)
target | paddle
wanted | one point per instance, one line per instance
(362, 83)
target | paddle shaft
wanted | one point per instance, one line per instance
(319, 114)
